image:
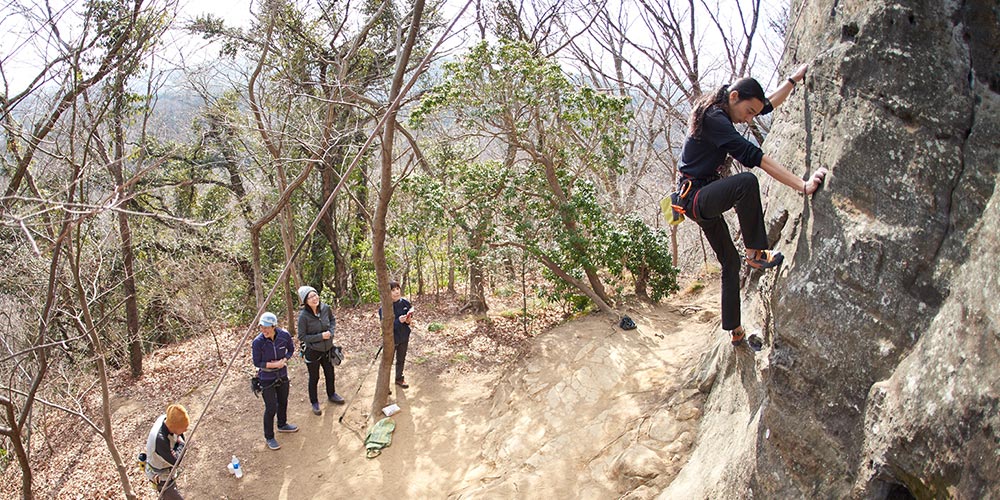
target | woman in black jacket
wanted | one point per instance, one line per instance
(711, 138)
(315, 328)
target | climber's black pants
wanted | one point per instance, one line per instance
(741, 192)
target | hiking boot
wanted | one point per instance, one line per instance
(764, 259)
(737, 336)
(288, 428)
(316, 409)
(402, 383)
(273, 444)
(755, 342)
(336, 399)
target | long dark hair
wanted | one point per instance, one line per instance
(746, 88)
(704, 103)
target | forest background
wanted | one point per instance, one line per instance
(151, 192)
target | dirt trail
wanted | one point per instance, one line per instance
(589, 412)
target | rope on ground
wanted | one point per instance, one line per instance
(393, 106)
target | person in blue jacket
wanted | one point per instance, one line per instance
(272, 349)
(402, 312)
(712, 137)
(316, 327)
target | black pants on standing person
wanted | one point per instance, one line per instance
(401, 360)
(742, 192)
(275, 396)
(314, 360)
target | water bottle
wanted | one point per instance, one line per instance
(234, 467)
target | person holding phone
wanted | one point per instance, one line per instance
(402, 311)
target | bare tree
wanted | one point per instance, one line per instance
(661, 54)
(386, 188)
(51, 128)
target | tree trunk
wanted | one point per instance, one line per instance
(451, 262)
(131, 304)
(258, 226)
(379, 224)
(328, 226)
(562, 274)
(569, 221)
(434, 272)
(673, 245)
(476, 302)
(102, 374)
(258, 279)
(361, 222)
(281, 206)
(128, 254)
(286, 222)
(641, 280)
(316, 247)
(114, 166)
(420, 271)
(13, 432)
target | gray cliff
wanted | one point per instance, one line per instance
(881, 375)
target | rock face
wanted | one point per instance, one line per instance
(882, 372)
(595, 412)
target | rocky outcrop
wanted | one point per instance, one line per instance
(592, 411)
(880, 375)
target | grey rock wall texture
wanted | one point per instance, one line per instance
(882, 372)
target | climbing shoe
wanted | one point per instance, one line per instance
(737, 336)
(764, 259)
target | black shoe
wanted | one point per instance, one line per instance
(403, 384)
(336, 399)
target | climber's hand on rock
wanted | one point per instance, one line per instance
(800, 73)
(810, 186)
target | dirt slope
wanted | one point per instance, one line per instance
(587, 411)
(573, 418)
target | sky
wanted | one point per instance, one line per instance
(20, 54)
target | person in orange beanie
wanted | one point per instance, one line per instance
(163, 447)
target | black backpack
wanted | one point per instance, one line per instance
(626, 323)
